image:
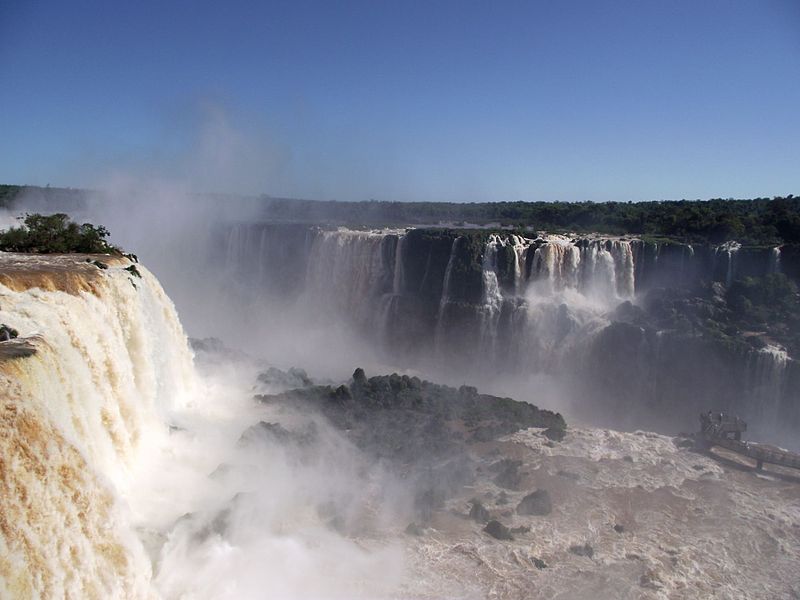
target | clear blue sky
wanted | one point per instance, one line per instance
(407, 100)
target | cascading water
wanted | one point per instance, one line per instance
(111, 362)
(775, 260)
(765, 386)
(445, 298)
(730, 249)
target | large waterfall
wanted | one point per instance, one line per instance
(507, 305)
(111, 362)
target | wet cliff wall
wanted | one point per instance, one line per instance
(625, 322)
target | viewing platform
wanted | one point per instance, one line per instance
(725, 431)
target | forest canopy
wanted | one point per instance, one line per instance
(761, 221)
(55, 234)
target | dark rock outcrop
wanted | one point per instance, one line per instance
(478, 512)
(498, 531)
(582, 550)
(536, 503)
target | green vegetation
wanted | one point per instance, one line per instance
(770, 304)
(755, 310)
(762, 221)
(758, 222)
(50, 234)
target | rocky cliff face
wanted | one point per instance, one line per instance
(643, 326)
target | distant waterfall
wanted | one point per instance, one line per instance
(729, 249)
(765, 384)
(445, 297)
(775, 260)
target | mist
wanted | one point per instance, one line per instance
(278, 475)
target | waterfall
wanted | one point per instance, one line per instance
(765, 384)
(443, 301)
(390, 300)
(775, 260)
(111, 362)
(492, 296)
(346, 272)
(729, 249)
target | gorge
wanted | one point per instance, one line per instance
(140, 463)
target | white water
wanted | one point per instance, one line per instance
(101, 499)
(122, 471)
(110, 366)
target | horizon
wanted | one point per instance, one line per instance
(264, 196)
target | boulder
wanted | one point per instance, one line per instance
(508, 475)
(536, 503)
(584, 550)
(478, 512)
(498, 531)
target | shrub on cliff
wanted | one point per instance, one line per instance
(51, 234)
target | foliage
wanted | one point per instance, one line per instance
(762, 221)
(766, 300)
(48, 234)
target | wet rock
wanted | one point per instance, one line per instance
(584, 550)
(7, 333)
(134, 271)
(555, 434)
(478, 512)
(536, 503)
(359, 377)
(265, 431)
(100, 265)
(508, 475)
(294, 378)
(539, 563)
(277, 433)
(619, 528)
(498, 531)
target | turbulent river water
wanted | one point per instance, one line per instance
(127, 472)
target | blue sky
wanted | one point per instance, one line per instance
(412, 100)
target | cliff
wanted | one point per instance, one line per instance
(694, 326)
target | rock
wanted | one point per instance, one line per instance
(478, 512)
(498, 531)
(134, 271)
(100, 265)
(585, 550)
(7, 333)
(277, 433)
(508, 475)
(294, 378)
(539, 563)
(359, 377)
(555, 434)
(502, 498)
(266, 431)
(536, 503)
(619, 528)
